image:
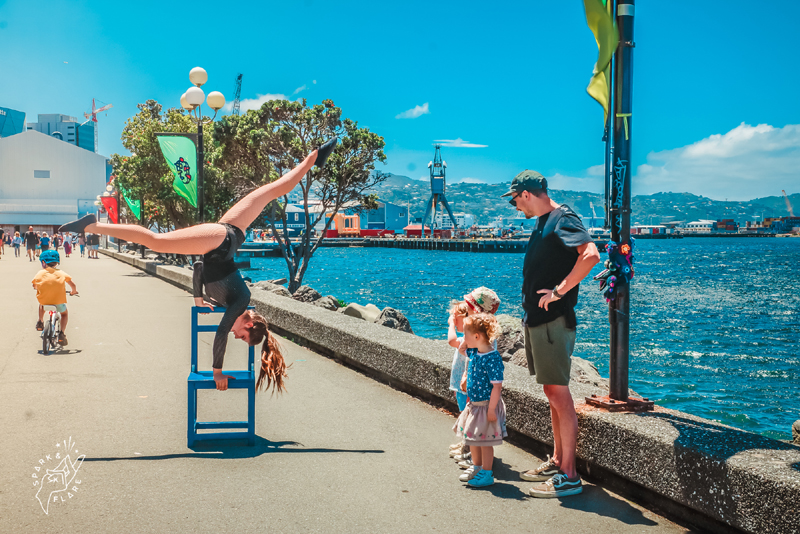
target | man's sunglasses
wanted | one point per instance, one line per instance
(513, 200)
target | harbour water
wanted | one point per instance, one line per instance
(715, 324)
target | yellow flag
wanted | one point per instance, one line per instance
(598, 17)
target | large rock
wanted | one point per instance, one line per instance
(329, 303)
(796, 432)
(585, 372)
(369, 313)
(394, 319)
(519, 358)
(512, 338)
(272, 288)
(306, 294)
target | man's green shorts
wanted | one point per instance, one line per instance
(548, 348)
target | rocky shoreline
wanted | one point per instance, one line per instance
(510, 344)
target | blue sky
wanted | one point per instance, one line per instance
(716, 102)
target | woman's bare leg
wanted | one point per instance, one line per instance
(197, 239)
(244, 212)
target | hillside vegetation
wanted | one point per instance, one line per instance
(484, 202)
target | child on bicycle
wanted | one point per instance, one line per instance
(49, 284)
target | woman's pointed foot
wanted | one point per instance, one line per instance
(80, 225)
(324, 151)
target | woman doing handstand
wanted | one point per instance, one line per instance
(217, 272)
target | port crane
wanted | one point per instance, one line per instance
(237, 95)
(788, 204)
(90, 117)
(438, 186)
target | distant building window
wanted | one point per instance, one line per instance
(70, 127)
(41, 174)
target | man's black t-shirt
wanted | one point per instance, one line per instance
(31, 239)
(550, 257)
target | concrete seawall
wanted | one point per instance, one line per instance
(714, 476)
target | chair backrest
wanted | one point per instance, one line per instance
(197, 328)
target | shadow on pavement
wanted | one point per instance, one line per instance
(502, 473)
(234, 449)
(596, 500)
(61, 352)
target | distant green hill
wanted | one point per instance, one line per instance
(484, 202)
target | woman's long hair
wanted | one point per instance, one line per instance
(273, 367)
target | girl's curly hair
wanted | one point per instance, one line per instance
(459, 307)
(483, 323)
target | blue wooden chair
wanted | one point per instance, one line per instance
(205, 380)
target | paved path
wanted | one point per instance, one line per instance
(338, 453)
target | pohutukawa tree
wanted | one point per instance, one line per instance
(261, 145)
(146, 176)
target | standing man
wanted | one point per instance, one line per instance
(31, 239)
(560, 254)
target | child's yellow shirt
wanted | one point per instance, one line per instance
(50, 286)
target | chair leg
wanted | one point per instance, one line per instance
(251, 414)
(191, 432)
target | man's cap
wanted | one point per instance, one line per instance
(527, 181)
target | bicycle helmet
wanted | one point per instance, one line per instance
(50, 256)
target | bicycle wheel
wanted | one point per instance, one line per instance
(46, 333)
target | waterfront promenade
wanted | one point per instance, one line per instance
(339, 452)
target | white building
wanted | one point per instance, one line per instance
(463, 220)
(67, 129)
(45, 182)
(701, 226)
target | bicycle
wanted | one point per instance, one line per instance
(52, 327)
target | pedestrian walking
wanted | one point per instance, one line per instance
(560, 254)
(82, 243)
(31, 239)
(67, 245)
(17, 243)
(44, 242)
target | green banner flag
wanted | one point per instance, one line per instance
(598, 17)
(181, 155)
(134, 205)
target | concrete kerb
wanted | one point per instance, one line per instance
(714, 476)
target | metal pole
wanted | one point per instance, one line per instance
(119, 221)
(619, 308)
(608, 138)
(200, 160)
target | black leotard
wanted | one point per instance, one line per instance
(224, 287)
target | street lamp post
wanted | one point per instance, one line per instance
(191, 101)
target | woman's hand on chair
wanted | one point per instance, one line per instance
(201, 302)
(221, 380)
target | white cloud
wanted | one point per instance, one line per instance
(413, 113)
(744, 163)
(301, 88)
(256, 103)
(591, 183)
(314, 82)
(457, 143)
(596, 170)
